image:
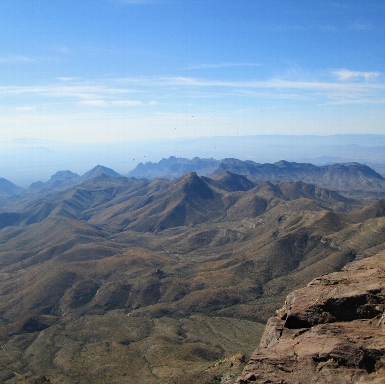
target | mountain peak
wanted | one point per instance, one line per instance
(63, 175)
(194, 186)
(99, 170)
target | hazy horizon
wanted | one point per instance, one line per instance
(25, 161)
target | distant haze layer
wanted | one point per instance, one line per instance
(24, 161)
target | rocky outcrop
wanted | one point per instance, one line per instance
(332, 331)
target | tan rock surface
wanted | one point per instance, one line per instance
(332, 331)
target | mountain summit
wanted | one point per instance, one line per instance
(97, 171)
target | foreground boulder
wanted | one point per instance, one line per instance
(332, 331)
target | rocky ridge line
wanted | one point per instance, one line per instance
(332, 331)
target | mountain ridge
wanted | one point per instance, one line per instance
(343, 177)
(346, 177)
(160, 204)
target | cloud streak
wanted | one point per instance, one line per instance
(114, 103)
(351, 87)
(18, 59)
(85, 92)
(330, 92)
(221, 65)
(346, 75)
(25, 108)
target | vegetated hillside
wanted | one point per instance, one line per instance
(123, 280)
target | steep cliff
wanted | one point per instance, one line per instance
(332, 331)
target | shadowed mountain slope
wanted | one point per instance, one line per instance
(377, 209)
(230, 182)
(7, 188)
(78, 202)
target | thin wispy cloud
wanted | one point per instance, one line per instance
(126, 103)
(25, 108)
(67, 79)
(85, 92)
(346, 75)
(114, 103)
(360, 26)
(94, 103)
(327, 28)
(62, 50)
(221, 65)
(318, 91)
(270, 83)
(114, 92)
(15, 59)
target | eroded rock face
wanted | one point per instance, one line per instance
(332, 331)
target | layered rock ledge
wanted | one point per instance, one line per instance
(332, 331)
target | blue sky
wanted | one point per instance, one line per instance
(114, 70)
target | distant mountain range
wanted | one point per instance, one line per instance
(174, 167)
(342, 177)
(26, 161)
(345, 178)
